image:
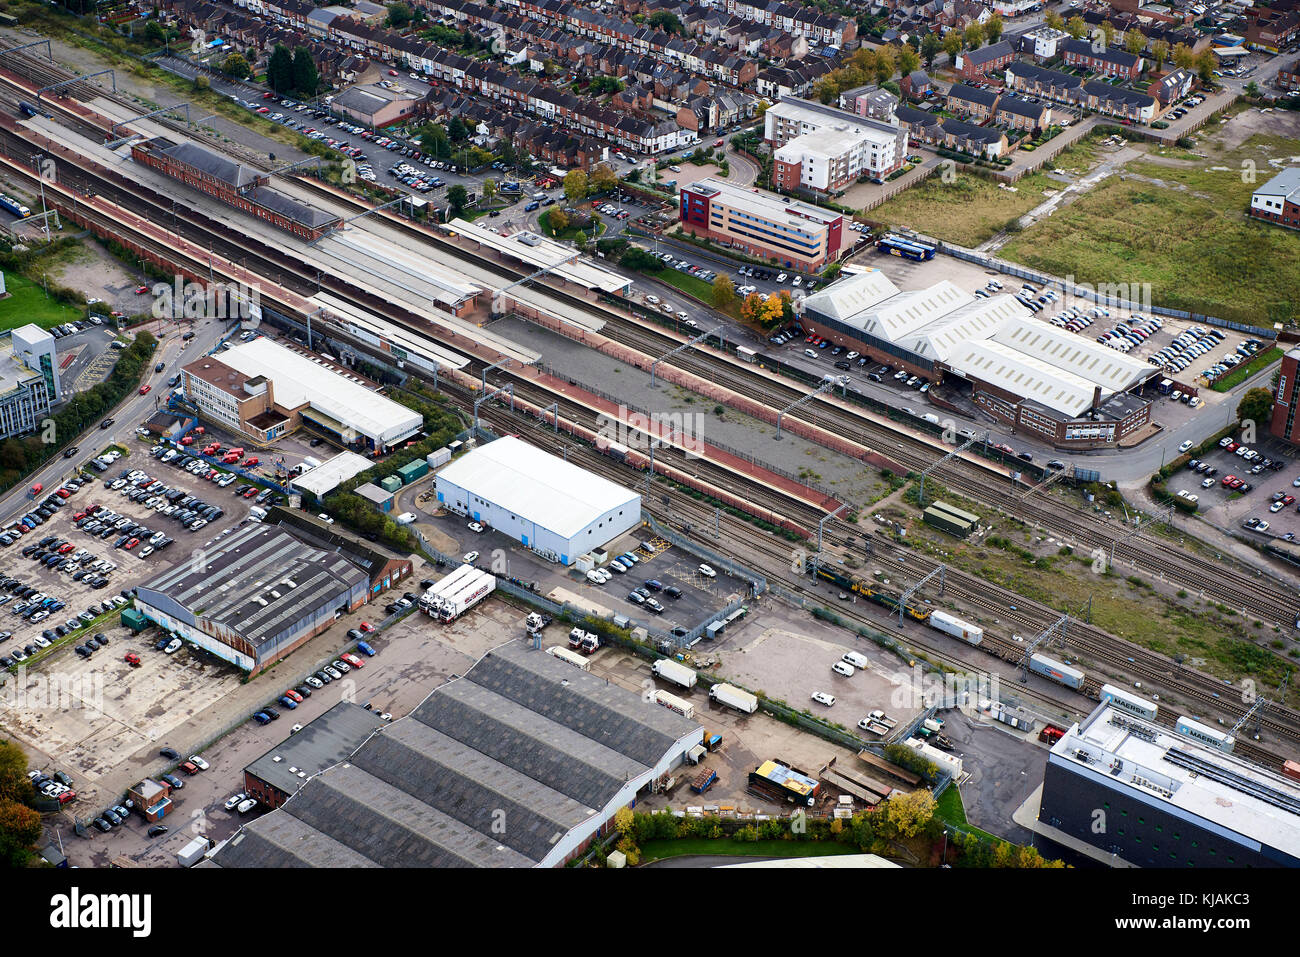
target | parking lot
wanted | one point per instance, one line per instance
(1255, 488)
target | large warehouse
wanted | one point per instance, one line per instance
(1020, 370)
(254, 596)
(523, 739)
(1169, 801)
(559, 510)
(264, 389)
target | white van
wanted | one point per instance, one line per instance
(840, 668)
(854, 658)
(257, 513)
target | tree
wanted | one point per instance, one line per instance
(14, 783)
(235, 65)
(886, 63)
(558, 220)
(638, 259)
(457, 131)
(305, 78)
(457, 197)
(1076, 27)
(974, 36)
(952, 44)
(1160, 53)
(724, 291)
(603, 178)
(1206, 64)
(1255, 406)
(930, 48)
(1055, 20)
(1108, 32)
(575, 185)
(667, 21)
(399, 16)
(1184, 58)
(279, 69)
(993, 29)
(433, 140)
(154, 33)
(20, 829)
(1134, 41)
(908, 60)
(908, 814)
(751, 308)
(489, 189)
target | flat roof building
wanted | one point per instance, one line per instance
(1278, 200)
(264, 389)
(282, 771)
(792, 234)
(29, 380)
(1167, 800)
(374, 106)
(557, 509)
(330, 474)
(823, 149)
(523, 737)
(253, 596)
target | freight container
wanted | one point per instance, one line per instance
(950, 625)
(413, 470)
(1291, 770)
(1051, 668)
(441, 457)
(193, 852)
(670, 670)
(1131, 703)
(734, 697)
(390, 483)
(569, 657)
(674, 703)
(474, 590)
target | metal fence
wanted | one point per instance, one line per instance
(757, 583)
(1083, 292)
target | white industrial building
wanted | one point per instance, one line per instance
(557, 509)
(330, 474)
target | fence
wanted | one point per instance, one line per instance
(758, 583)
(901, 184)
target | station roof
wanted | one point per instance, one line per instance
(298, 381)
(536, 485)
(536, 251)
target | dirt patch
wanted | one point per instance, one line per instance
(94, 272)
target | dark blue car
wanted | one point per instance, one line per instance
(365, 649)
(262, 718)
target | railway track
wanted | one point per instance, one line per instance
(280, 266)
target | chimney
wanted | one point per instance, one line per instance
(1096, 401)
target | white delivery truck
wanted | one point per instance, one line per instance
(734, 697)
(673, 671)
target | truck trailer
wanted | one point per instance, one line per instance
(734, 697)
(670, 670)
(432, 597)
(193, 852)
(466, 596)
(569, 657)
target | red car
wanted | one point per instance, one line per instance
(252, 460)
(293, 695)
(264, 110)
(141, 289)
(132, 659)
(145, 388)
(267, 96)
(353, 660)
(131, 544)
(66, 797)
(252, 492)
(366, 627)
(1232, 446)
(63, 493)
(69, 547)
(189, 767)
(392, 73)
(79, 516)
(188, 440)
(199, 430)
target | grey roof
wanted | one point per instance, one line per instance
(1117, 94)
(1285, 183)
(1040, 74)
(973, 94)
(255, 582)
(523, 738)
(1085, 48)
(294, 210)
(201, 158)
(1021, 107)
(321, 744)
(989, 53)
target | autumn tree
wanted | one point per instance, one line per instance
(930, 48)
(974, 36)
(1076, 27)
(886, 63)
(908, 60)
(1184, 58)
(1055, 20)
(724, 291)
(558, 220)
(1134, 41)
(909, 814)
(1160, 53)
(575, 185)
(603, 179)
(751, 308)
(1108, 32)
(993, 29)
(952, 43)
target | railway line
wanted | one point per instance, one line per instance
(283, 268)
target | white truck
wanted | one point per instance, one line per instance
(673, 671)
(461, 599)
(193, 852)
(432, 598)
(734, 697)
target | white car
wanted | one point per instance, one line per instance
(781, 278)
(707, 571)
(821, 697)
(470, 558)
(173, 646)
(198, 762)
(596, 577)
(843, 668)
(1185, 446)
(245, 806)
(234, 802)
(1208, 483)
(474, 527)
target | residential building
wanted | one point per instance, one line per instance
(822, 149)
(1288, 77)
(790, 233)
(1043, 43)
(972, 102)
(1286, 399)
(982, 63)
(1278, 200)
(1172, 87)
(1109, 62)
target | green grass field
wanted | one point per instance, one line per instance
(1245, 371)
(658, 850)
(28, 302)
(1184, 230)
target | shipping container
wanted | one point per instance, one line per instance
(441, 457)
(1130, 703)
(390, 483)
(950, 625)
(670, 670)
(569, 657)
(1291, 769)
(1207, 736)
(674, 703)
(1057, 671)
(193, 852)
(413, 470)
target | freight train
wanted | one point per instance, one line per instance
(874, 593)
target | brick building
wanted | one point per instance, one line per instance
(794, 234)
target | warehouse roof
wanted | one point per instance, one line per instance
(1285, 184)
(522, 734)
(332, 473)
(537, 486)
(300, 381)
(851, 295)
(903, 314)
(324, 742)
(255, 582)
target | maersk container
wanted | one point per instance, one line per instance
(950, 625)
(734, 697)
(672, 671)
(1057, 671)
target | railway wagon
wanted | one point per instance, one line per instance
(872, 592)
(951, 625)
(1057, 671)
(1205, 735)
(1291, 769)
(1131, 703)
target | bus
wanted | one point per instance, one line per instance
(907, 248)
